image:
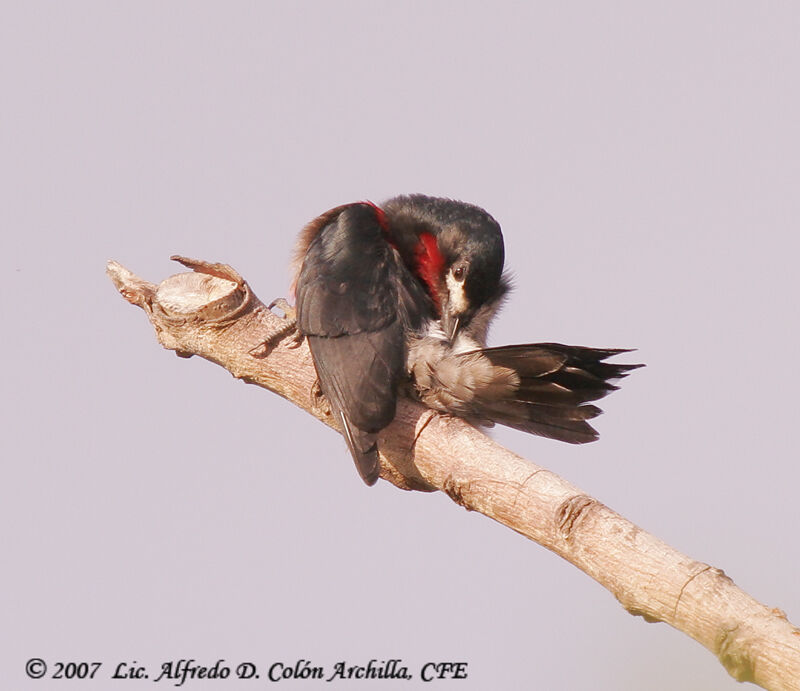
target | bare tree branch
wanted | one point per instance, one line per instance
(212, 313)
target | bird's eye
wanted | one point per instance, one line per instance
(459, 272)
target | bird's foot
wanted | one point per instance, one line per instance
(288, 328)
(319, 401)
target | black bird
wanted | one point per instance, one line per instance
(400, 297)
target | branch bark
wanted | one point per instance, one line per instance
(211, 312)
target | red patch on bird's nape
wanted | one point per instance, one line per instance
(383, 222)
(380, 214)
(430, 264)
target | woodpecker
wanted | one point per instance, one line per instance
(398, 298)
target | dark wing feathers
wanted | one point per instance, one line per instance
(363, 404)
(555, 383)
(347, 307)
(345, 285)
(368, 398)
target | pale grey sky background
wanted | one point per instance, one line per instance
(643, 160)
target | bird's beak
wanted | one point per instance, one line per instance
(450, 325)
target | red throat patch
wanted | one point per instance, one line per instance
(430, 263)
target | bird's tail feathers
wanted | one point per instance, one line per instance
(556, 383)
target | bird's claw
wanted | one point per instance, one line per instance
(318, 399)
(289, 312)
(288, 328)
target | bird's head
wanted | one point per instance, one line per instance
(456, 250)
